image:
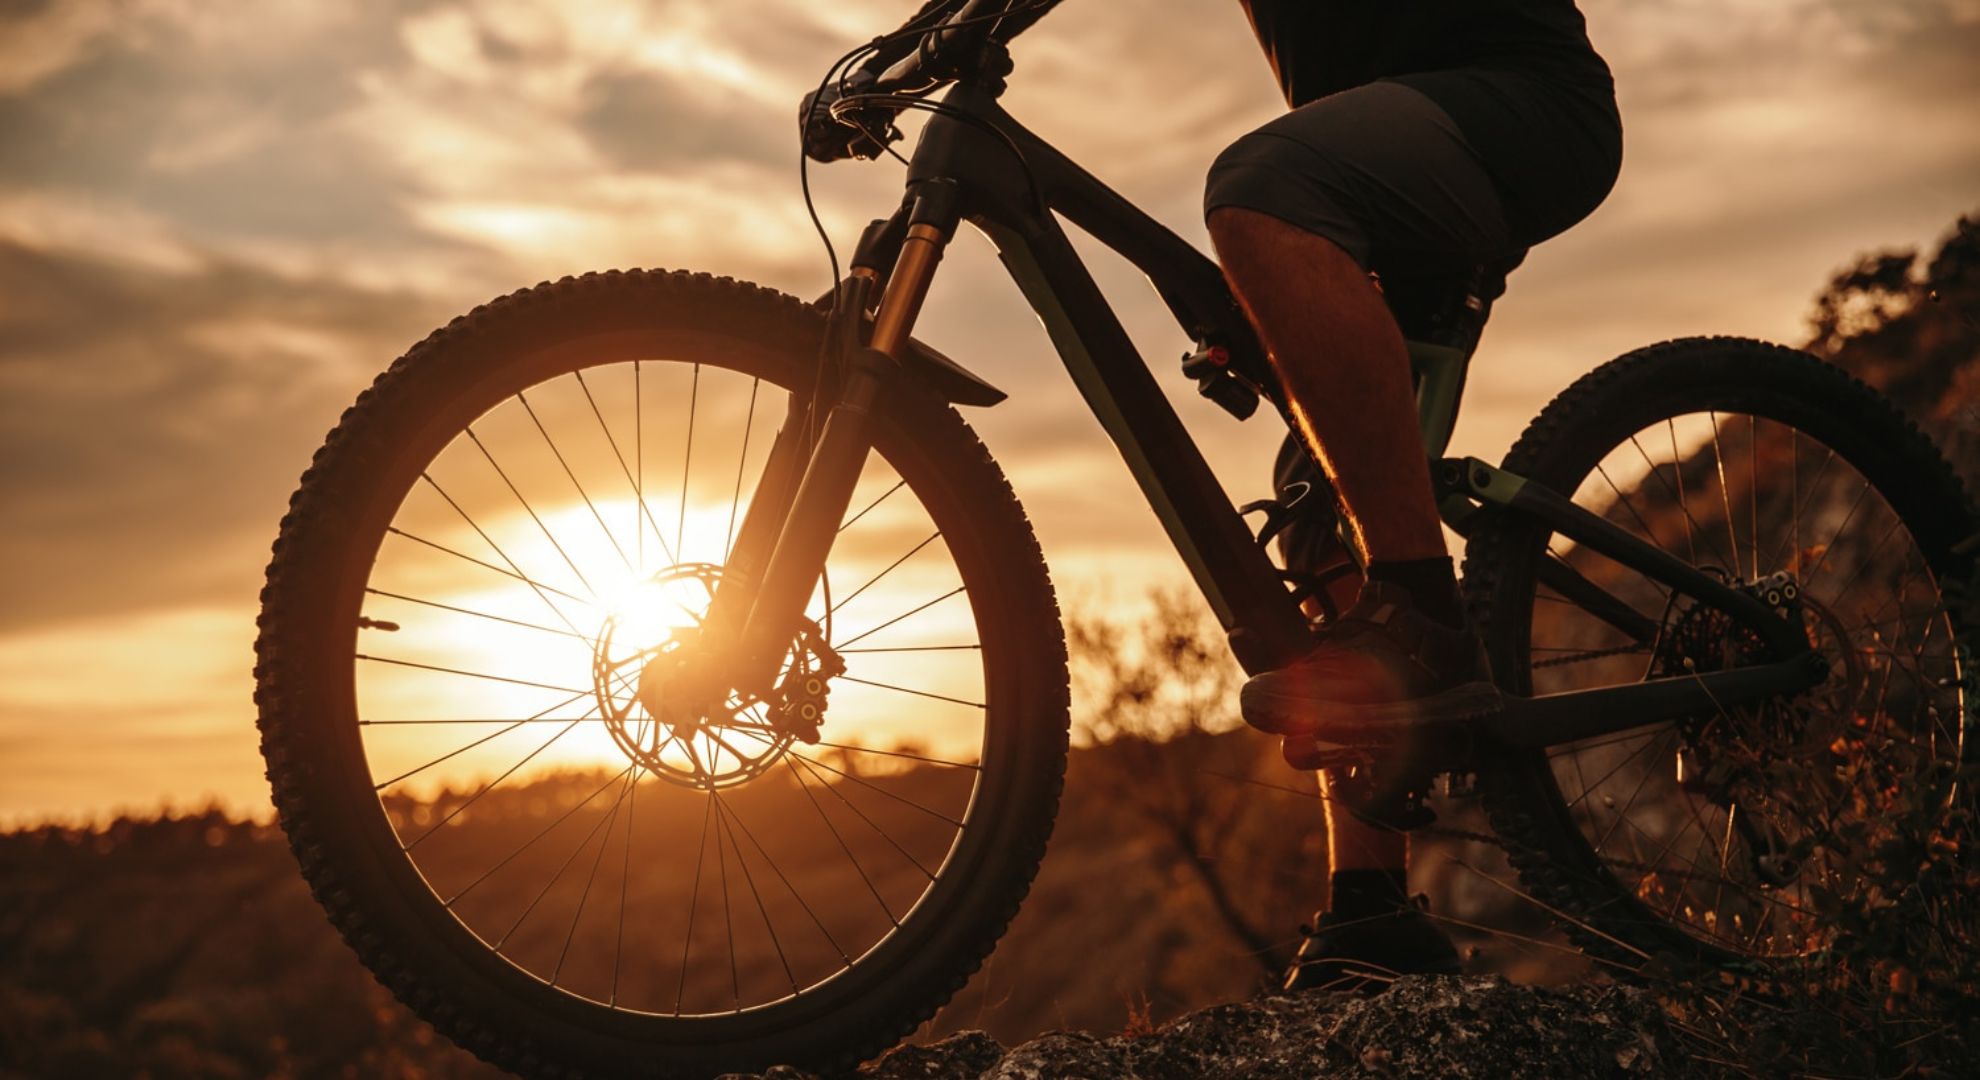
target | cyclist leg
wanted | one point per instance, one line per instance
(1375, 177)
(1300, 211)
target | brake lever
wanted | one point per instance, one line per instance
(834, 131)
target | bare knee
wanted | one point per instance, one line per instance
(1265, 195)
(1237, 226)
(1252, 243)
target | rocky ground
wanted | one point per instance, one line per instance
(1457, 1028)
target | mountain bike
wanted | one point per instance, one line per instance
(657, 676)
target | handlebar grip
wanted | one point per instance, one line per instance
(934, 59)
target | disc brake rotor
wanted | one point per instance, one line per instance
(658, 688)
(1727, 753)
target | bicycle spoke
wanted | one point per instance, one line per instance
(1635, 793)
(539, 718)
(863, 782)
(531, 511)
(810, 766)
(486, 788)
(625, 880)
(503, 720)
(916, 693)
(795, 895)
(1869, 559)
(898, 754)
(639, 496)
(840, 840)
(480, 614)
(1794, 500)
(565, 865)
(1580, 748)
(591, 878)
(1648, 533)
(1725, 497)
(582, 495)
(1684, 505)
(509, 573)
(694, 899)
(687, 461)
(531, 842)
(883, 498)
(539, 589)
(728, 917)
(1725, 850)
(1753, 486)
(470, 674)
(1830, 547)
(914, 648)
(1691, 522)
(1604, 778)
(890, 569)
(763, 912)
(906, 614)
(742, 458)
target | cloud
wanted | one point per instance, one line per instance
(214, 231)
(216, 226)
(645, 121)
(151, 419)
(39, 39)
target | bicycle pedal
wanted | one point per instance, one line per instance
(1392, 799)
(1306, 753)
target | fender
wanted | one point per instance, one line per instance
(954, 382)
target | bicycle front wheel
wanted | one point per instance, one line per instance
(484, 592)
(1731, 836)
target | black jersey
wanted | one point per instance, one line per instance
(1318, 47)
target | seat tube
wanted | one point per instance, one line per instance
(837, 460)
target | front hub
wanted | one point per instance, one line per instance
(662, 691)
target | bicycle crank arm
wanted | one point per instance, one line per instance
(1533, 723)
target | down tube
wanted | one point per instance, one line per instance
(1244, 590)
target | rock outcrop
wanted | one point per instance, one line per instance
(1456, 1028)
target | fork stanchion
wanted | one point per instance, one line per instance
(840, 455)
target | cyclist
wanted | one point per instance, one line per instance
(1425, 137)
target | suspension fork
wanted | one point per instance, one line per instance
(822, 495)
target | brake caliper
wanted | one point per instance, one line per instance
(801, 697)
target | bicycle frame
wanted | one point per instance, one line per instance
(975, 163)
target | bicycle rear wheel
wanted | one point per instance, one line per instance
(1731, 836)
(487, 588)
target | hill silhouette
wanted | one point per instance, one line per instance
(187, 945)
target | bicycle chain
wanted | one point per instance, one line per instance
(1592, 654)
(1445, 833)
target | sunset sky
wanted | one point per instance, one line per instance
(218, 222)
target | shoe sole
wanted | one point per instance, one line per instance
(1345, 724)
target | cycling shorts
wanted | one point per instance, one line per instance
(1386, 172)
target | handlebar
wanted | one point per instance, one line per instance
(954, 46)
(946, 41)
